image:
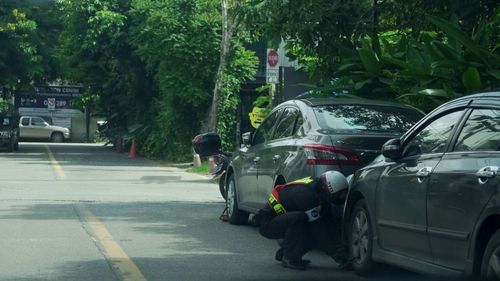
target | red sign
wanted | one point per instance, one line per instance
(51, 103)
(272, 58)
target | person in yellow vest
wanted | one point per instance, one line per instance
(306, 214)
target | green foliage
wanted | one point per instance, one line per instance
(407, 50)
(433, 67)
(203, 169)
(19, 62)
(178, 43)
(242, 67)
(315, 31)
(152, 64)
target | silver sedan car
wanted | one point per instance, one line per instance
(302, 138)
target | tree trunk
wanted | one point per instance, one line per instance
(375, 39)
(219, 80)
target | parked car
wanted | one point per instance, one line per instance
(431, 202)
(9, 132)
(37, 128)
(302, 138)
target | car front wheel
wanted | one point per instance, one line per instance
(235, 215)
(490, 267)
(361, 239)
(57, 137)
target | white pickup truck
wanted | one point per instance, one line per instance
(37, 128)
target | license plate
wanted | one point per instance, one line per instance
(4, 134)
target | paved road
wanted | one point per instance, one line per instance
(85, 212)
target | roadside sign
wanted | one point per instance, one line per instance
(272, 66)
(51, 103)
(272, 58)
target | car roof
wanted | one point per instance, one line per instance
(487, 94)
(329, 101)
(465, 100)
(480, 95)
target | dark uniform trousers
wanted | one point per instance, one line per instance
(300, 235)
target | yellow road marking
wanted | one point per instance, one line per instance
(119, 260)
(55, 164)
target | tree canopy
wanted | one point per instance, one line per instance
(151, 66)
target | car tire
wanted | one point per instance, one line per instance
(57, 137)
(235, 215)
(491, 259)
(222, 186)
(361, 239)
(12, 146)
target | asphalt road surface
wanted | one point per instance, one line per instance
(85, 212)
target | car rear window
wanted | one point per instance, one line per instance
(369, 119)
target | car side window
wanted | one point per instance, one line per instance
(25, 122)
(37, 122)
(481, 132)
(265, 130)
(433, 138)
(286, 126)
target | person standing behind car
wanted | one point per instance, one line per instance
(304, 215)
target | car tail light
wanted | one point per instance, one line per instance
(330, 155)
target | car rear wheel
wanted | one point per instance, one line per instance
(235, 215)
(57, 137)
(490, 267)
(222, 186)
(12, 145)
(361, 239)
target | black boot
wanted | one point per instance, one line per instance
(346, 265)
(279, 255)
(299, 265)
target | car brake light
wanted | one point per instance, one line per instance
(330, 155)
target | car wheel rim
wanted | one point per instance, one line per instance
(230, 197)
(494, 265)
(360, 238)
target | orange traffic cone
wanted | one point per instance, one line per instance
(133, 152)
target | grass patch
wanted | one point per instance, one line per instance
(203, 169)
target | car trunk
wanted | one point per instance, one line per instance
(367, 147)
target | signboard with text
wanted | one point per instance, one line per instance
(272, 66)
(49, 98)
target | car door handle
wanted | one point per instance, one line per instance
(423, 173)
(256, 160)
(487, 172)
(276, 158)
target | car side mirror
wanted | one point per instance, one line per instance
(246, 138)
(392, 149)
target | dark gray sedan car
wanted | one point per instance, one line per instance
(431, 203)
(302, 138)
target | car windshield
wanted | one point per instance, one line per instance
(369, 119)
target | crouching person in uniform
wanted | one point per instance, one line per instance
(306, 214)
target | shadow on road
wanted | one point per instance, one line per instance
(69, 154)
(184, 241)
